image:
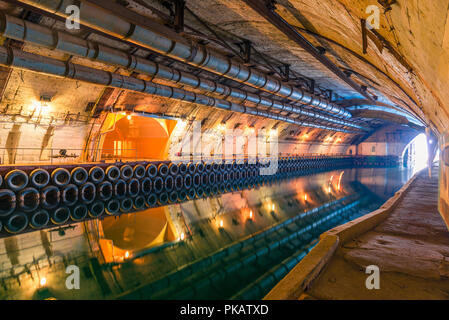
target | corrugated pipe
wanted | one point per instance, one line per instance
(16, 58)
(18, 29)
(194, 54)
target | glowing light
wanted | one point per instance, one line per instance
(305, 136)
(43, 281)
(128, 117)
(338, 140)
(250, 130)
(181, 123)
(123, 113)
(250, 214)
(418, 152)
(221, 127)
(430, 141)
(221, 223)
(182, 237)
(273, 132)
(40, 107)
(305, 196)
(126, 254)
(273, 207)
(329, 189)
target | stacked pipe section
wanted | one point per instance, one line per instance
(16, 58)
(34, 198)
(18, 29)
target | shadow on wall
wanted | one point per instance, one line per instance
(12, 141)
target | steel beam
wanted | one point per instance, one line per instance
(266, 9)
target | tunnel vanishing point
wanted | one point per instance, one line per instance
(224, 149)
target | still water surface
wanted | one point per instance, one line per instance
(231, 246)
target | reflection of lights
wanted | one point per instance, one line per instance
(123, 113)
(221, 127)
(339, 180)
(43, 281)
(182, 237)
(329, 189)
(126, 254)
(128, 117)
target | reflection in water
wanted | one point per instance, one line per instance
(235, 245)
(136, 231)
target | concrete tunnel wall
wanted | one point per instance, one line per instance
(390, 140)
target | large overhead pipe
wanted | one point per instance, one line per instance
(201, 56)
(19, 59)
(18, 29)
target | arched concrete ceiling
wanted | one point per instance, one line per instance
(410, 70)
(405, 66)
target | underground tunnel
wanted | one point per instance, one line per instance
(224, 150)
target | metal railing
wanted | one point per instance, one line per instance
(50, 156)
(280, 156)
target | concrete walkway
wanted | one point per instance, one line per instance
(411, 249)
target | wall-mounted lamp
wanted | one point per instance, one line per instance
(46, 98)
(221, 127)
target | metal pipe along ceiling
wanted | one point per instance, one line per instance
(24, 60)
(18, 29)
(197, 55)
